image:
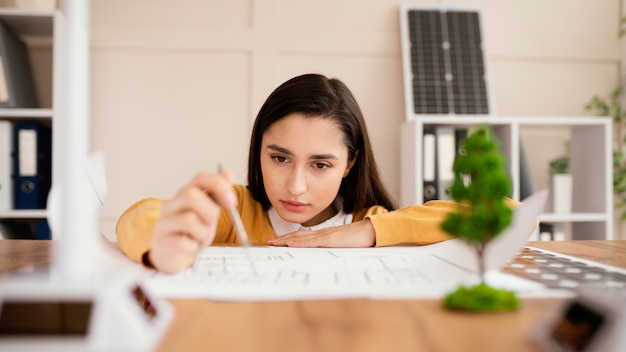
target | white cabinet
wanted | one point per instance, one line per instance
(590, 154)
(39, 30)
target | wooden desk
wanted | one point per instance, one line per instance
(346, 324)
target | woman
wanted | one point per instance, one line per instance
(312, 182)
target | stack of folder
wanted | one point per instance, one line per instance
(25, 145)
(25, 171)
(440, 147)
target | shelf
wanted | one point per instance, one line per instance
(40, 30)
(465, 120)
(589, 139)
(573, 217)
(32, 23)
(24, 214)
(590, 151)
(26, 113)
(34, 26)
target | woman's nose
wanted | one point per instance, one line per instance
(297, 183)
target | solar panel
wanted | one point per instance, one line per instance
(446, 62)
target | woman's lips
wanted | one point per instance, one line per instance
(295, 207)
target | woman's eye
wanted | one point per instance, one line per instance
(279, 158)
(320, 165)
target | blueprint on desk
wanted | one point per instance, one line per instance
(316, 273)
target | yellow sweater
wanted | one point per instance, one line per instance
(417, 224)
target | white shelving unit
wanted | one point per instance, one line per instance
(40, 29)
(591, 164)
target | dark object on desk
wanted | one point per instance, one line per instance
(44, 318)
(584, 323)
(32, 164)
(25, 229)
(17, 89)
(577, 326)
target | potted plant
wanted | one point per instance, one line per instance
(562, 183)
(480, 187)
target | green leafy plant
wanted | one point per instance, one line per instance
(480, 186)
(481, 298)
(560, 165)
(612, 105)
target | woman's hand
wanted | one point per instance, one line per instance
(187, 222)
(356, 234)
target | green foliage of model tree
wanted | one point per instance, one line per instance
(480, 186)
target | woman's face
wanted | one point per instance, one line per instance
(303, 160)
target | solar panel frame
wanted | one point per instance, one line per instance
(444, 61)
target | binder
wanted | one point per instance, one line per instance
(32, 164)
(460, 134)
(17, 88)
(429, 164)
(6, 165)
(42, 230)
(446, 152)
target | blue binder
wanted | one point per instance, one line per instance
(42, 230)
(32, 164)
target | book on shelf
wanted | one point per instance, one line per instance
(440, 147)
(429, 164)
(32, 164)
(446, 152)
(6, 165)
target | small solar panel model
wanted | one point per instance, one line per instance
(444, 61)
(445, 79)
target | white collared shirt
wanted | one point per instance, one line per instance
(283, 227)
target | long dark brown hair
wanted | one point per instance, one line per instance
(315, 95)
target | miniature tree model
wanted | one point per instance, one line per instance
(480, 186)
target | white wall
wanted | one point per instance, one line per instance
(176, 84)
